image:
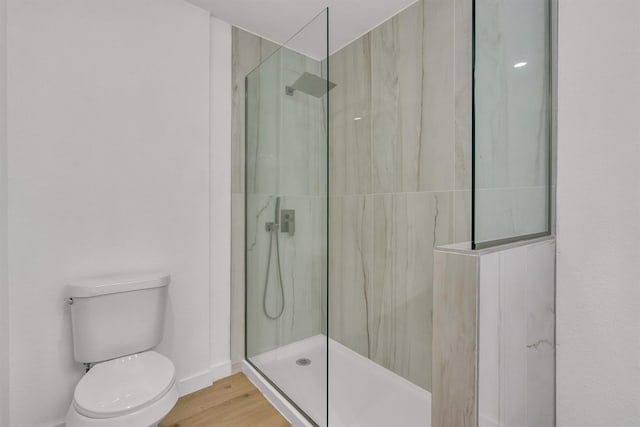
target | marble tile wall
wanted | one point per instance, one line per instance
(513, 211)
(248, 51)
(302, 261)
(289, 159)
(286, 158)
(463, 56)
(399, 162)
(350, 121)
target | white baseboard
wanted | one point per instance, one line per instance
(204, 379)
(236, 367)
(221, 370)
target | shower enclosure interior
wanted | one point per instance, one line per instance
(358, 163)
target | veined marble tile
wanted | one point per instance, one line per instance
(489, 325)
(350, 275)
(510, 212)
(462, 213)
(413, 101)
(453, 401)
(396, 101)
(301, 263)
(512, 340)
(350, 119)
(512, 126)
(237, 277)
(302, 145)
(280, 149)
(401, 88)
(463, 83)
(406, 229)
(248, 51)
(516, 336)
(264, 129)
(436, 156)
(541, 334)
(323, 260)
(262, 334)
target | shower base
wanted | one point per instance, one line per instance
(361, 392)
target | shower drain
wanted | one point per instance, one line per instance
(303, 362)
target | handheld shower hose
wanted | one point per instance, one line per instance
(273, 229)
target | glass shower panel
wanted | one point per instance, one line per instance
(399, 188)
(286, 219)
(512, 120)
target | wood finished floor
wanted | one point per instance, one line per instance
(229, 402)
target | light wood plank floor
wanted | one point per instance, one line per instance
(229, 402)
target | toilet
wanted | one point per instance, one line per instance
(116, 322)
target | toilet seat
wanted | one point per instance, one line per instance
(149, 415)
(125, 385)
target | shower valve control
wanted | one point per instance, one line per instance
(288, 221)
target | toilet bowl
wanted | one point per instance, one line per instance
(136, 390)
(116, 322)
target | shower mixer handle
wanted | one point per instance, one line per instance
(286, 217)
(288, 221)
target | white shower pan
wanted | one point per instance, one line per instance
(361, 392)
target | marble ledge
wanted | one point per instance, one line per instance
(464, 248)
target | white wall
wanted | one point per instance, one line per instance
(108, 172)
(4, 294)
(598, 305)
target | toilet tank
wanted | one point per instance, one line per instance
(114, 316)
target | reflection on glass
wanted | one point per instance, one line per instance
(286, 220)
(512, 138)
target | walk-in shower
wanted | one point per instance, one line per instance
(359, 163)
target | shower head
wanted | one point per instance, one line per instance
(311, 85)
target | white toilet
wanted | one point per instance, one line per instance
(116, 322)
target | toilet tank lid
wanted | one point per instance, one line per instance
(105, 285)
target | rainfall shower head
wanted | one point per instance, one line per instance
(311, 85)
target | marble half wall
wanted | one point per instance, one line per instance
(494, 336)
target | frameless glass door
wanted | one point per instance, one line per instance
(286, 219)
